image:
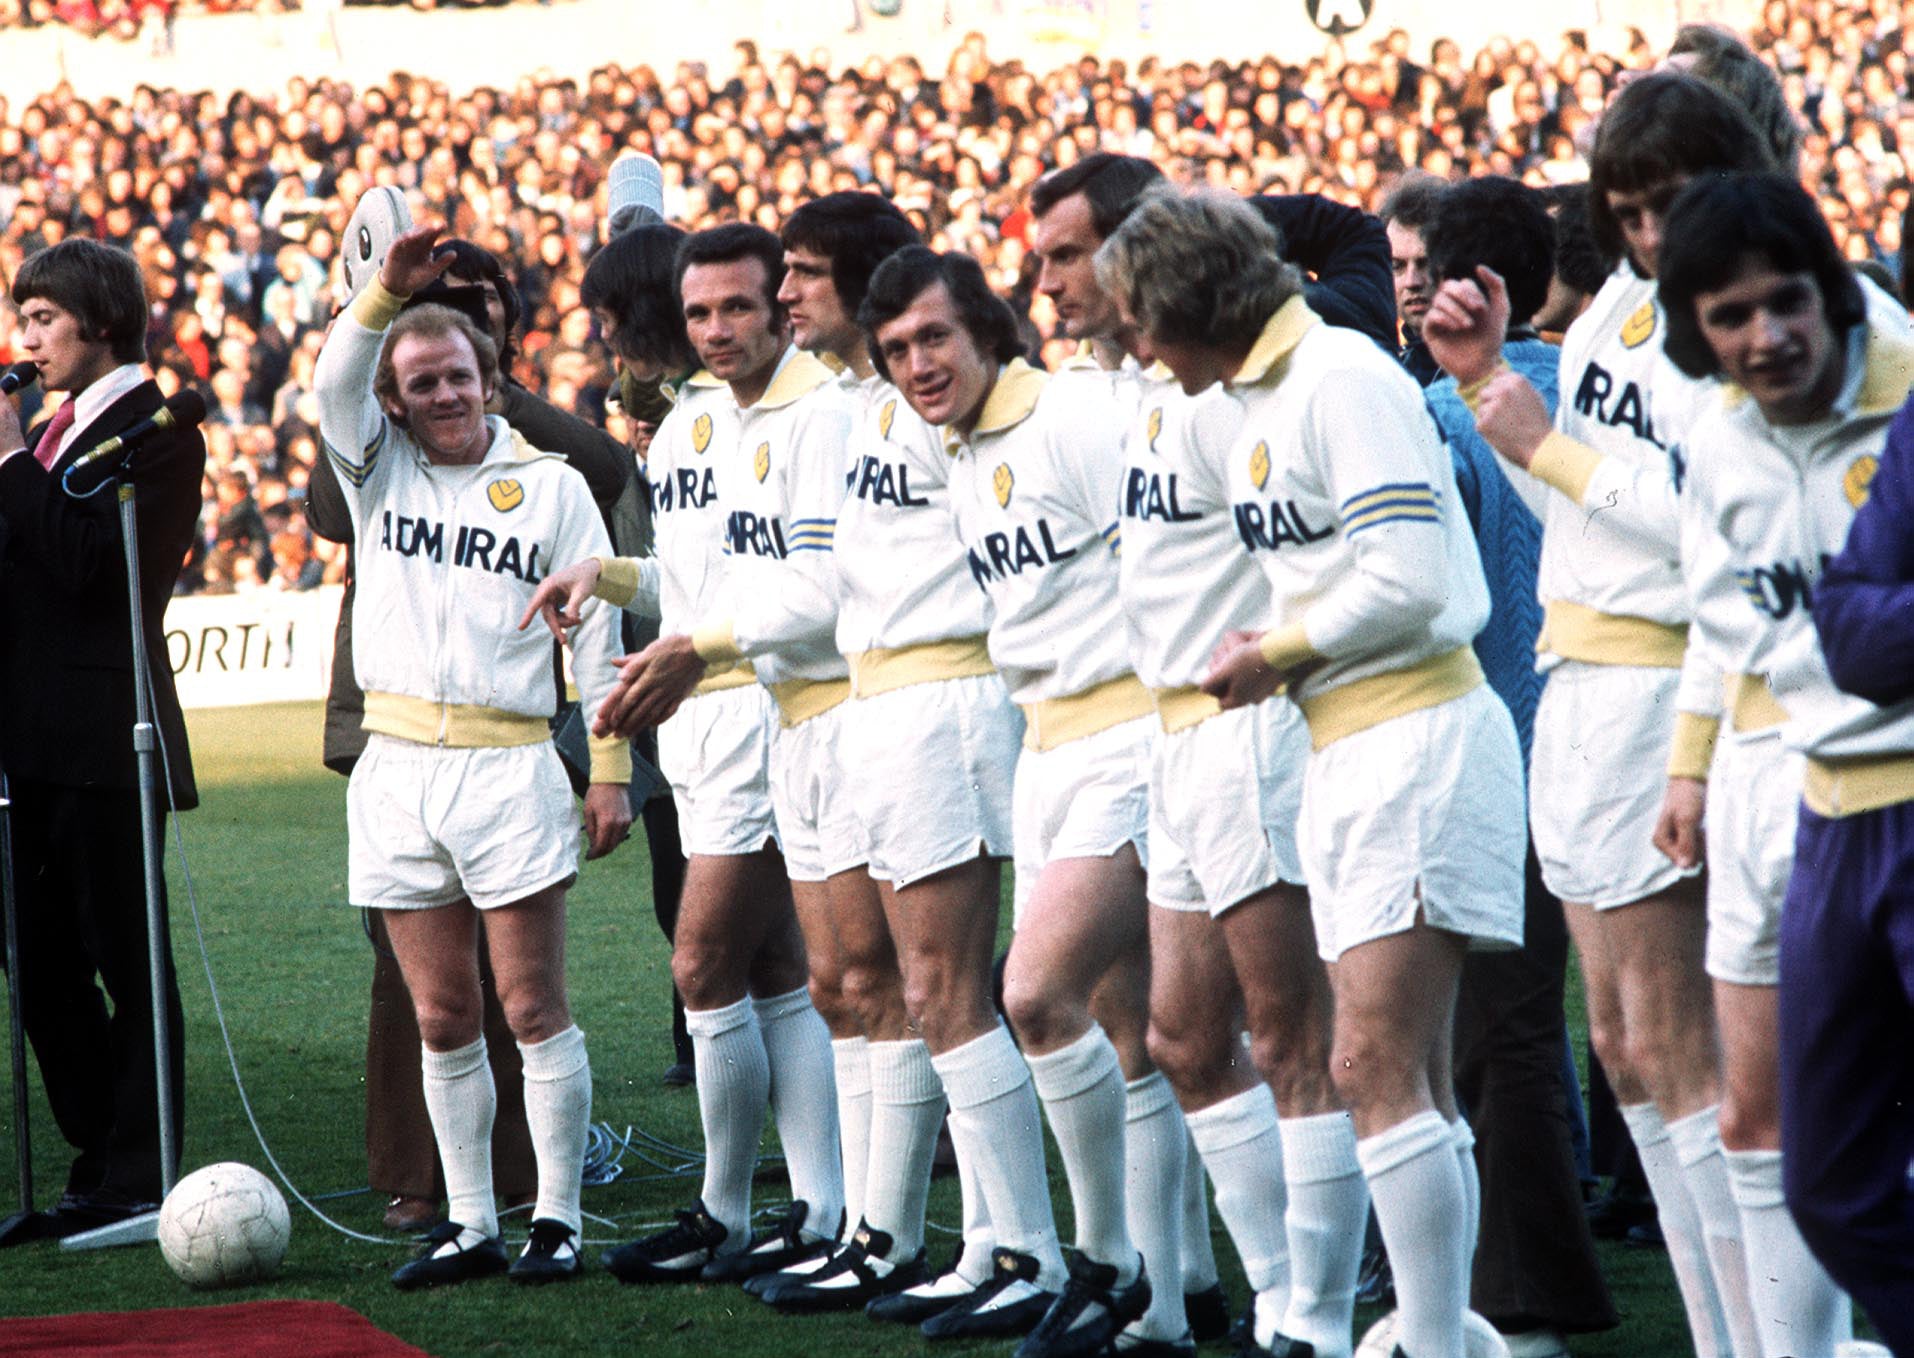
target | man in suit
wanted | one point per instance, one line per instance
(66, 719)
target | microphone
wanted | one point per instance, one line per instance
(634, 193)
(18, 376)
(182, 412)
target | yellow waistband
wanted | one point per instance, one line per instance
(879, 671)
(1751, 704)
(801, 699)
(1362, 703)
(1181, 708)
(1058, 721)
(454, 725)
(732, 676)
(1576, 632)
(1849, 787)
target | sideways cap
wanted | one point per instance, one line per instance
(635, 192)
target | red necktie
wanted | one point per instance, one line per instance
(48, 447)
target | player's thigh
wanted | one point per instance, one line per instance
(525, 942)
(1195, 1006)
(1082, 915)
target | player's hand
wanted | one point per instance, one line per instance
(1239, 676)
(12, 437)
(1510, 415)
(651, 685)
(561, 595)
(607, 818)
(1678, 828)
(1466, 324)
(410, 263)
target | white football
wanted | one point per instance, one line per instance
(381, 218)
(1479, 1338)
(223, 1225)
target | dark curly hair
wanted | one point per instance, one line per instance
(908, 274)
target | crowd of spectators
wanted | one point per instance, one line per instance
(127, 19)
(235, 207)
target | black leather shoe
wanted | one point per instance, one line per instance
(1208, 1313)
(918, 1303)
(551, 1255)
(679, 1074)
(1089, 1312)
(778, 1248)
(676, 1254)
(857, 1273)
(442, 1260)
(1009, 1304)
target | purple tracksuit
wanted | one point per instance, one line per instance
(1847, 943)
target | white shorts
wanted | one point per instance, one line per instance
(1597, 777)
(1422, 812)
(428, 826)
(1754, 804)
(716, 750)
(1086, 799)
(1224, 796)
(817, 825)
(929, 768)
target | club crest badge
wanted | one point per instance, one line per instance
(1154, 427)
(701, 434)
(884, 418)
(761, 461)
(1859, 478)
(505, 495)
(1002, 482)
(1640, 326)
(1259, 464)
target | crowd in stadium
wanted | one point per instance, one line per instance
(235, 207)
(126, 19)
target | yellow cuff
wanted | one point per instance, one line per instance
(715, 644)
(1565, 464)
(1472, 393)
(378, 305)
(617, 580)
(1694, 746)
(1285, 648)
(610, 759)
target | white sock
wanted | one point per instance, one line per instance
(1156, 1154)
(734, 1080)
(1199, 1252)
(906, 1107)
(1697, 1142)
(1417, 1190)
(851, 1064)
(1681, 1229)
(1243, 1153)
(995, 1125)
(973, 1262)
(557, 1112)
(804, 1102)
(1328, 1215)
(1081, 1086)
(461, 1101)
(1797, 1306)
(1464, 1138)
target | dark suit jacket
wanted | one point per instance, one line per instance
(66, 664)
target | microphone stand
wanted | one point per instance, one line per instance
(145, 1227)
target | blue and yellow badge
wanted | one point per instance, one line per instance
(1859, 478)
(505, 495)
(1259, 464)
(1002, 481)
(1637, 329)
(1154, 427)
(701, 433)
(761, 461)
(885, 416)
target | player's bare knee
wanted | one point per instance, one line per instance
(1368, 1070)
(1750, 1118)
(1196, 1060)
(447, 1022)
(1036, 1014)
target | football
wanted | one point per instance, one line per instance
(224, 1225)
(381, 218)
(1479, 1339)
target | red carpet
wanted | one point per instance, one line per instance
(254, 1329)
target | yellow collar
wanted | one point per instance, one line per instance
(1012, 397)
(522, 450)
(703, 378)
(1281, 334)
(1889, 374)
(797, 376)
